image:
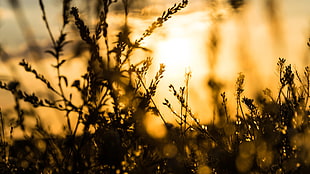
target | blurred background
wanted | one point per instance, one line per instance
(212, 39)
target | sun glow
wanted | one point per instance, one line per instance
(175, 53)
(180, 55)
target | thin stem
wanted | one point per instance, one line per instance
(57, 51)
(243, 115)
(46, 23)
(153, 102)
(106, 41)
(2, 127)
(187, 78)
(181, 114)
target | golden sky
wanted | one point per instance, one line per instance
(249, 41)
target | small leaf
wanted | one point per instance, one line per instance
(59, 64)
(47, 101)
(76, 84)
(65, 80)
(65, 43)
(13, 85)
(51, 52)
(62, 62)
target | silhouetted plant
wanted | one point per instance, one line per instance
(263, 136)
(106, 133)
(111, 140)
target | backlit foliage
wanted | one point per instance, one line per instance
(118, 128)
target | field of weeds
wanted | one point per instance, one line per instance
(107, 130)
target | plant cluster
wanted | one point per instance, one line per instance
(106, 133)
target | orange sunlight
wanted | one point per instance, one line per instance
(175, 53)
(244, 45)
(83, 88)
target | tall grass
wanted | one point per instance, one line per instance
(106, 133)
